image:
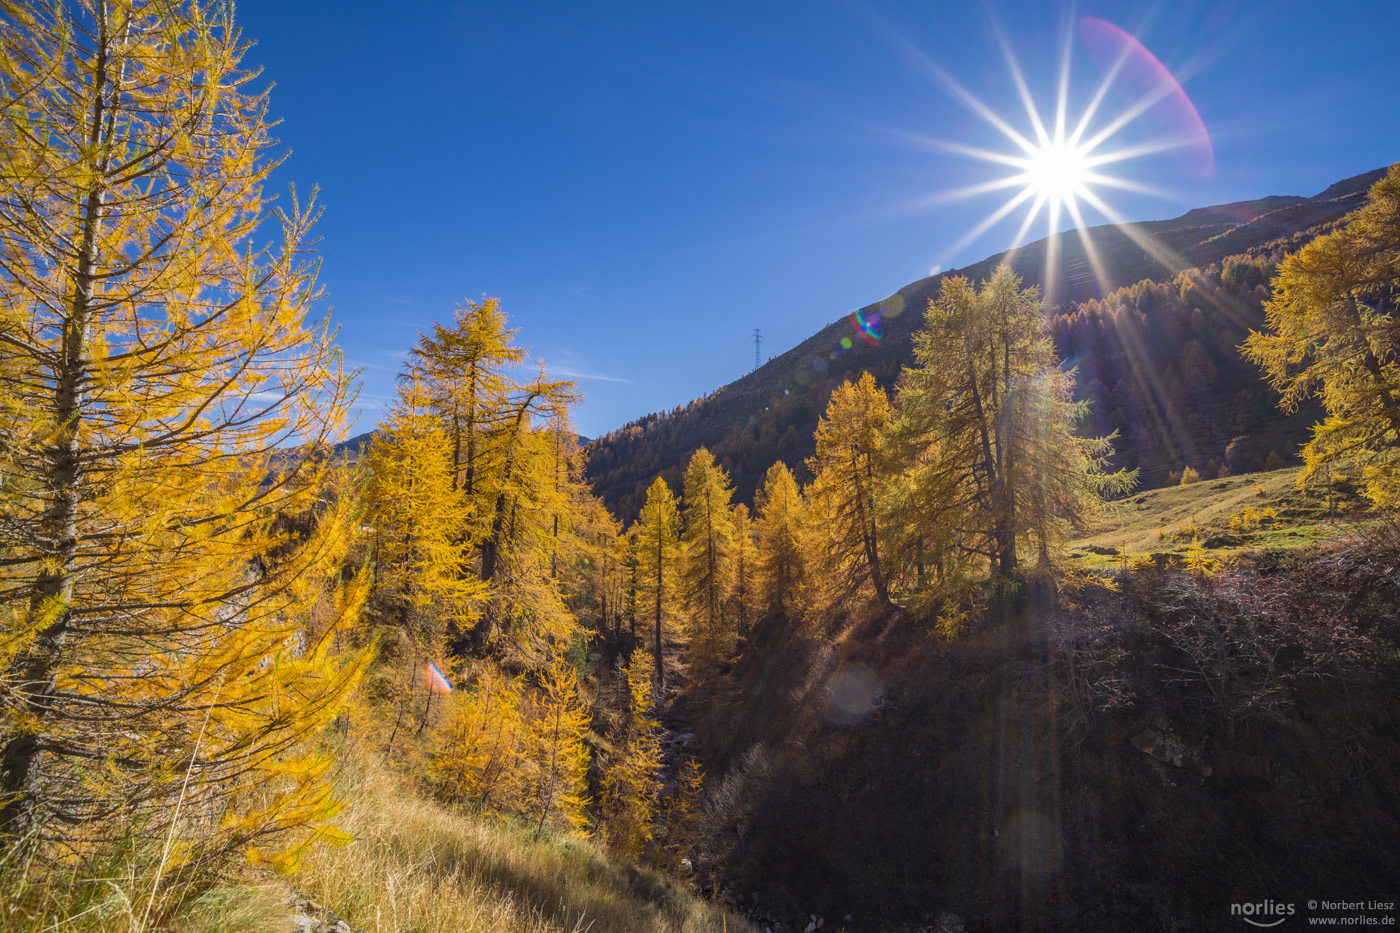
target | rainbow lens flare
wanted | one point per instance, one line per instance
(437, 683)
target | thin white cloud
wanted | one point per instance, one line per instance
(575, 374)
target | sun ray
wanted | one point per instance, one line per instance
(1152, 147)
(1126, 184)
(1062, 94)
(1091, 251)
(1019, 239)
(974, 152)
(1104, 87)
(922, 63)
(1132, 112)
(1150, 245)
(1021, 87)
(988, 222)
(1050, 281)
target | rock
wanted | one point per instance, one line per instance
(1102, 551)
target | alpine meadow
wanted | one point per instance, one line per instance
(1056, 590)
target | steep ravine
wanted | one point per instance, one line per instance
(882, 774)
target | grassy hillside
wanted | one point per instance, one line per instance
(1166, 521)
(413, 867)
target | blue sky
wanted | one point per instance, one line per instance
(643, 184)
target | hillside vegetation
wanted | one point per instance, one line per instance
(1236, 516)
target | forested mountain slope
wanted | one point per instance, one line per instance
(1154, 342)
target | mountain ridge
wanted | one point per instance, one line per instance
(878, 337)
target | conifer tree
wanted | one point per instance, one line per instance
(984, 444)
(632, 782)
(744, 596)
(595, 564)
(509, 462)
(530, 617)
(480, 749)
(655, 542)
(169, 518)
(418, 517)
(1331, 333)
(684, 819)
(558, 782)
(707, 553)
(846, 468)
(467, 369)
(781, 564)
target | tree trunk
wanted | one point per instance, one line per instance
(34, 673)
(660, 549)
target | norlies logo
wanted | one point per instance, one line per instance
(1265, 910)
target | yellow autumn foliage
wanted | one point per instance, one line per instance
(631, 784)
(175, 609)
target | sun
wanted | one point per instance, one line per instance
(1058, 172)
(1062, 163)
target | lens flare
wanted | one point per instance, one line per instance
(868, 326)
(436, 682)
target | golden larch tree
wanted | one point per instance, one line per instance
(169, 519)
(1331, 332)
(655, 547)
(418, 515)
(781, 563)
(632, 782)
(744, 596)
(846, 469)
(706, 573)
(558, 780)
(684, 815)
(983, 444)
(479, 750)
(511, 459)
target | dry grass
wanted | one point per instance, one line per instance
(113, 898)
(416, 867)
(1161, 521)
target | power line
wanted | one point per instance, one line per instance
(757, 342)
